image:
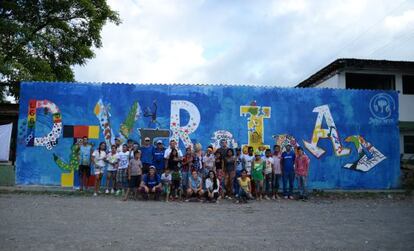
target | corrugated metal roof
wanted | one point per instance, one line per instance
(343, 63)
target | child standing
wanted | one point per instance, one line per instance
(112, 159)
(134, 174)
(301, 172)
(257, 174)
(166, 180)
(98, 157)
(121, 174)
(268, 172)
(176, 183)
(277, 170)
(239, 168)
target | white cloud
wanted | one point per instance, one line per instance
(260, 42)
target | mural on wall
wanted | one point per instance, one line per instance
(255, 125)
(351, 136)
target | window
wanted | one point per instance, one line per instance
(409, 144)
(370, 81)
(408, 84)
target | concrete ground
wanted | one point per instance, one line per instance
(70, 222)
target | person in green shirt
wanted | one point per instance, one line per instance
(257, 174)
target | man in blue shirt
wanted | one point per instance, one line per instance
(158, 157)
(151, 184)
(288, 171)
(147, 150)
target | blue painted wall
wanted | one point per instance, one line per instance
(368, 115)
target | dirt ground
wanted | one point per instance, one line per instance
(61, 222)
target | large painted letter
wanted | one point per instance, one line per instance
(255, 127)
(50, 140)
(368, 155)
(182, 132)
(102, 113)
(321, 133)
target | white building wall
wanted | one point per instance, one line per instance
(331, 82)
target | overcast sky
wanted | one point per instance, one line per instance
(276, 43)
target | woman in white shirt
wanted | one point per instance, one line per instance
(98, 158)
(212, 187)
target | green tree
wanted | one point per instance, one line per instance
(42, 39)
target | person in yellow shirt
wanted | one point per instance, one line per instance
(245, 187)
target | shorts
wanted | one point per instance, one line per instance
(134, 181)
(166, 188)
(85, 169)
(98, 170)
(122, 177)
(176, 185)
(112, 173)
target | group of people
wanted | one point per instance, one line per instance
(198, 175)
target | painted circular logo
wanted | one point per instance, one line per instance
(382, 105)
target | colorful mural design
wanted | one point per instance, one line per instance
(255, 126)
(54, 116)
(285, 139)
(221, 135)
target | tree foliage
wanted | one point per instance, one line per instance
(42, 39)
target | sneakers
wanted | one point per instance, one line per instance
(118, 192)
(112, 191)
(106, 191)
(95, 194)
(285, 197)
(291, 198)
(266, 197)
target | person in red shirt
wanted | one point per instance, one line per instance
(301, 172)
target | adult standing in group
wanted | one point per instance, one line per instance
(187, 166)
(229, 171)
(288, 172)
(158, 157)
(173, 145)
(223, 148)
(85, 163)
(147, 152)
